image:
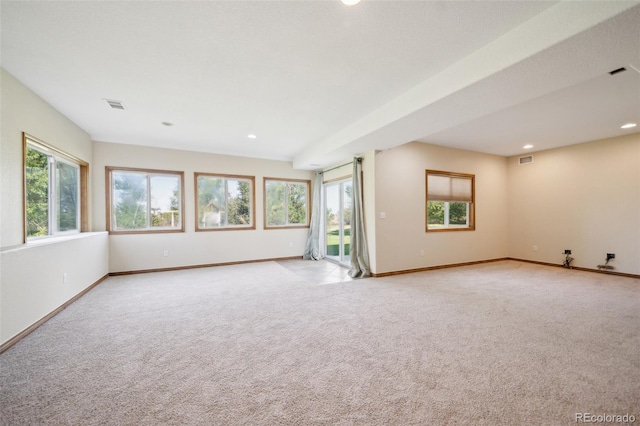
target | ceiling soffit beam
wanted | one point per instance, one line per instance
(396, 122)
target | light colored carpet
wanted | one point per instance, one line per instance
(499, 343)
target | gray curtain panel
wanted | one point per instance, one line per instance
(312, 249)
(359, 252)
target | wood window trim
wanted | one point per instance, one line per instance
(264, 203)
(108, 187)
(225, 176)
(472, 203)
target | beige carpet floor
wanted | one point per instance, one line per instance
(501, 343)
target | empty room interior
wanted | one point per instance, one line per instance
(316, 212)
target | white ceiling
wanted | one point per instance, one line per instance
(318, 81)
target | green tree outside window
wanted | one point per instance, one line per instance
(286, 203)
(145, 201)
(51, 193)
(224, 201)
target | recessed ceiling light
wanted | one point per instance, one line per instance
(528, 146)
(166, 123)
(350, 2)
(251, 136)
(628, 126)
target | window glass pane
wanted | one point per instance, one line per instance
(146, 201)
(224, 202)
(458, 213)
(347, 198)
(211, 202)
(53, 204)
(286, 203)
(37, 188)
(275, 203)
(129, 201)
(435, 214)
(67, 193)
(239, 202)
(332, 219)
(165, 201)
(297, 203)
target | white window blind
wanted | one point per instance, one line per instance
(449, 188)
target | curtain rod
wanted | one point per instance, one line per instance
(341, 165)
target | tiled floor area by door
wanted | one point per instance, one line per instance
(317, 271)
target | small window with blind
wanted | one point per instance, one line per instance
(450, 201)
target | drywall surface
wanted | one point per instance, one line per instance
(583, 197)
(24, 111)
(369, 205)
(32, 280)
(135, 252)
(37, 279)
(400, 197)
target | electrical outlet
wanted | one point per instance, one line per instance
(535, 248)
(165, 253)
(611, 256)
(421, 252)
(64, 278)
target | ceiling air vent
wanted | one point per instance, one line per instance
(525, 160)
(614, 72)
(115, 104)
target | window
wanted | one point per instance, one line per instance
(450, 201)
(224, 202)
(142, 201)
(286, 203)
(55, 186)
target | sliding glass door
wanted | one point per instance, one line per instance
(338, 206)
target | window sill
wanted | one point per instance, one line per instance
(268, 228)
(227, 228)
(450, 229)
(147, 232)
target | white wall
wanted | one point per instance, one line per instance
(31, 284)
(583, 197)
(24, 111)
(37, 279)
(400, 194)
(135, 252)
(369, 201)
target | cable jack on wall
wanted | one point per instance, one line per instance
(567, 259)
(606, 263)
